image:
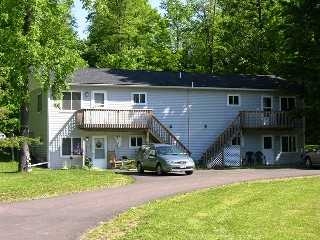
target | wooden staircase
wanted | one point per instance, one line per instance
(212, 158)
(163, 135)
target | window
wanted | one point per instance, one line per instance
(267, 142)
(233, 100)
(267, 104)
(139, 98)
(287, 103)
(39, 102)
(71, 101)
(98, 98)
(135, 141)
(71, 146)
(288, 144)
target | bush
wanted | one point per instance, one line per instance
(88, 162)
(309, 148)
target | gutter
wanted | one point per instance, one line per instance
(169, 87)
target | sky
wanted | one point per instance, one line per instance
(80, 16)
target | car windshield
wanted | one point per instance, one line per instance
(168, 150)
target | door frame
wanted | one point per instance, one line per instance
(273, 151)
(105, 149)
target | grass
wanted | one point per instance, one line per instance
(42, 183)
(281, 209)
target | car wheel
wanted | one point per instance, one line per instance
(189, 172)
(159, 170)
(308, 163)
(140, 168)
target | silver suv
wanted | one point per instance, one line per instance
(312, 158)
(163, 158)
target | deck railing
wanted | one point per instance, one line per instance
(263, 119)
(109, 118)
(164, 135)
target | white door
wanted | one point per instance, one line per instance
(266, 107)
(267, 149)
(99, 146)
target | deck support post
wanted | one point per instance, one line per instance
(148, 137)
(83, 152)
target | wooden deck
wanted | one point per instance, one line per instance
(112, 119)
(269, 120)
(125, 120)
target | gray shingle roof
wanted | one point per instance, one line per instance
(148, 78)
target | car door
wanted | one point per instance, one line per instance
(144, 157)
(152, 158)
(316, 157)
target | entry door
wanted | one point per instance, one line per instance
(267, 149)
(99, 152)
(266, 106)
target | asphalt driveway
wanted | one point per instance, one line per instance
(68, 217)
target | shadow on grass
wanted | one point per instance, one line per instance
(262, 167)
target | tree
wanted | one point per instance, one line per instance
(37, 46)
(128, 34)
(251, 34)
(300, 56)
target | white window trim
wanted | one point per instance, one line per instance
(296, 136)
(38, 102)
(234, 105)
(92, 99)
(68, 156)
(145, 97)
(262, 97)
(262, 141)
(136, 136)
(70, 110)
(295, 101)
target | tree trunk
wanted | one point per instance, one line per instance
(24, 131)
(260, 27)
(210, 33)
(25, 159)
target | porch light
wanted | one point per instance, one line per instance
(86, 94)
(205, 126)
(87, 139)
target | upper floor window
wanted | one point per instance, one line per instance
(288, 144)
(135, 141)
(233, 100)
(99, 99)
(71, 146)
(287, 103)
(139, 98)
(71, 101)
(39, 102)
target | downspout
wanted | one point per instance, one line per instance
(48, 128)
(188, 117)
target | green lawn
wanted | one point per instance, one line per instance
(286, 209)
(41, 183)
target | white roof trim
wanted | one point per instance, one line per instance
(166, 87)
